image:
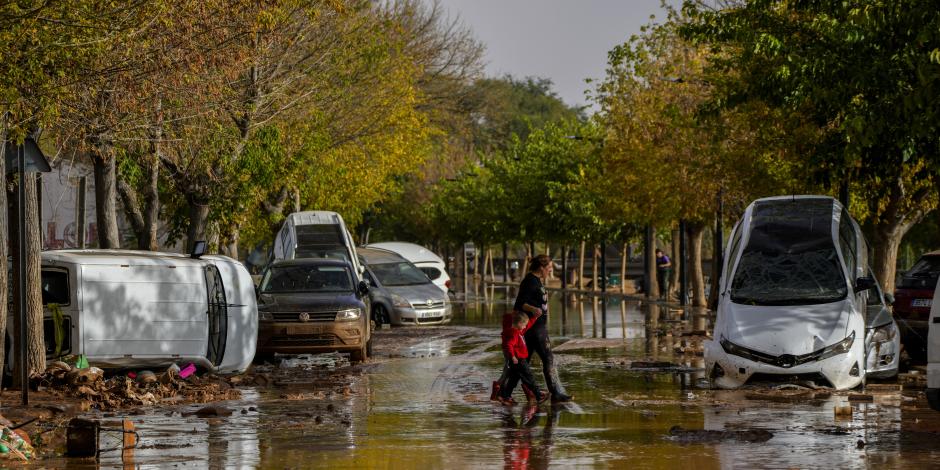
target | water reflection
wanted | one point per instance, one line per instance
(523, 445)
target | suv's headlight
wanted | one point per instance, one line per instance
(400, 301)
(841, 347)
(885, 333)
(348, 314)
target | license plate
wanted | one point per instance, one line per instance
(430, 314)
(921, 302)
(304, 329)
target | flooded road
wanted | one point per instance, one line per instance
(423, 403)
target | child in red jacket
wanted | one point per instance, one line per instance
(517, 355)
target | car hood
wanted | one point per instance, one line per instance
(419, 293)
(786, 329)
(307, 302)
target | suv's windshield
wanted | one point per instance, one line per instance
(282, 279)
(399, 274)
(790, 258)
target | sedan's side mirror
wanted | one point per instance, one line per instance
(363, 288)
(864, 283)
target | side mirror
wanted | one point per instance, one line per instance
(363, 288)
(199, 249)
(864, 283)
(889, 298)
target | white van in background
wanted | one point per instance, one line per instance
(423, 258)
(123, 308)
(316, 234)
(933, 353)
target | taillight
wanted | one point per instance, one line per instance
(447, 283)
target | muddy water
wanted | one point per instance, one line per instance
(426, 405)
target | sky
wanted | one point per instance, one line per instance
(565, 41)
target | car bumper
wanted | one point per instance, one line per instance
(298, 338)
(883, 359)
(735, 371)
(431, 316)
(933, 385)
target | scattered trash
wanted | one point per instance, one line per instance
(146, 377)
(861, 397)
(210, 411)
(843, 411)
(309, 361)
(83, 437)
(187, 371)
(704, 435)
(14, 444)
(89, 375)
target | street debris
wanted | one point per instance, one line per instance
(708, 436)
(121, 391)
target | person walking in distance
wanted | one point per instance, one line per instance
(663, 267)
(532, 300)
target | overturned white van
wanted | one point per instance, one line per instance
(316, 234)
(798, 299)
(124, 308)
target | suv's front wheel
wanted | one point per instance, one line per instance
(360, 355)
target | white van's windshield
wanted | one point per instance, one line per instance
(790, 258)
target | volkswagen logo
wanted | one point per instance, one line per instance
(430, 303)
(304, 317)
(786, 361)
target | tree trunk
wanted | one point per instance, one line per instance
(230, 248)
(486, 263)
(35, 344)
(595, 282)
(106, 201)
(650, 253)
(624, 258)
(676, 273)
(198, 222)
(147, 239)
(889, 229)
(581, 266)
(717, 266)
(525, 262)
(3, 244)
(696, 235)
(885, 252)
(489, 254)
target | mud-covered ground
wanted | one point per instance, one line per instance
(423, 402)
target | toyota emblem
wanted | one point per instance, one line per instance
(786, 361)
(430, 303)
(304, 317)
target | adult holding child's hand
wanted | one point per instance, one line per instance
(533, 300)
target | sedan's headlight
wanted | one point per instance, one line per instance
(885, 333)
(841, 347)
(348, 314)
(400, 301)
(265, 315)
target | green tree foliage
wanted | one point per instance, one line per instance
(500, 114)
(865, 73)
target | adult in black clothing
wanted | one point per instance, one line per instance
(532, 299)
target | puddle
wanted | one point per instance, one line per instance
(425, 404)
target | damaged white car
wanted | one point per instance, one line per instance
(798, 300)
